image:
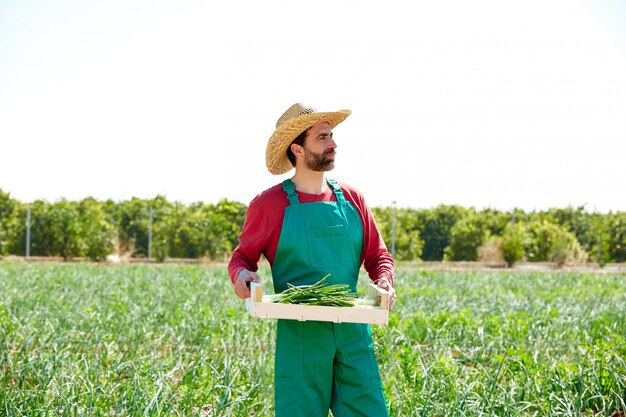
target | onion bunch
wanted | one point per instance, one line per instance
(318, 294)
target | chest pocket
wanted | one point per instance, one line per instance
(327, 241)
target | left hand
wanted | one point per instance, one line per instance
(386, 285)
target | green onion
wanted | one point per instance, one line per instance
(318, 294)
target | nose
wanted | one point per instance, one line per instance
(332, 144)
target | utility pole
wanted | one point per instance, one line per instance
(28, 230)
(150, 235)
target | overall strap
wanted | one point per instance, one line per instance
(338, 192)
(290, 188)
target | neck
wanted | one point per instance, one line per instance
(310, 182)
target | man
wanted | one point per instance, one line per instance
(308, 227)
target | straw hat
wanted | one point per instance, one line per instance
(294, 121)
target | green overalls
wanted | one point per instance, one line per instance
(322, 365)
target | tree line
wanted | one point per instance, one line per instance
(95, 229)
(454, 233)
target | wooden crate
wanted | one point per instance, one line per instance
(259, 306)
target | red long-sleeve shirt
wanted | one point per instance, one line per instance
(263, 224)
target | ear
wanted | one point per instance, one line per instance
(297, 150)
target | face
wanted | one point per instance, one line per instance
(319, 148)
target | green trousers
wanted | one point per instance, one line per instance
(324, 366)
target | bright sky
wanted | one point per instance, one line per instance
(495, 103)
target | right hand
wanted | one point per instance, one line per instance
(241, 285)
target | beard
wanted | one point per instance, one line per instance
(319, 162)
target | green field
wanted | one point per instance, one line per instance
(95, 340)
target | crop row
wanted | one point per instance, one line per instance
(95, 340)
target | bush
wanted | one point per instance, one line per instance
(575, 220)
(551, 242)
(491, 251)
(514, 241)
(466, 236)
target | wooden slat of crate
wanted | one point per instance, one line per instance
(357, 314)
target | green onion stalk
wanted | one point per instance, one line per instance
(318, 294)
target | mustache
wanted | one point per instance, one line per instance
(328, 152)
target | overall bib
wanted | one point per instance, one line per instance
(323, 365)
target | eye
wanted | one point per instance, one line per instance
(325, 136)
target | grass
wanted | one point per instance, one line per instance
(94, 340)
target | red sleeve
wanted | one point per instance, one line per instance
(260, 232)
(375, 258)
(247, 254)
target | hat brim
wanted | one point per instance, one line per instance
(276, 153)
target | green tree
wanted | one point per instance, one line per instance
(55, 229)
(232, 215)
(553, 243)
(11, 223)
(616, 226)
(131, 218)
(408, 243)
(601, 250)
(96, 229)
(575, 220)
(438, 223)
(198, 230)
(175, 233)
(493, 222)
(514, 241)
(466, 236)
